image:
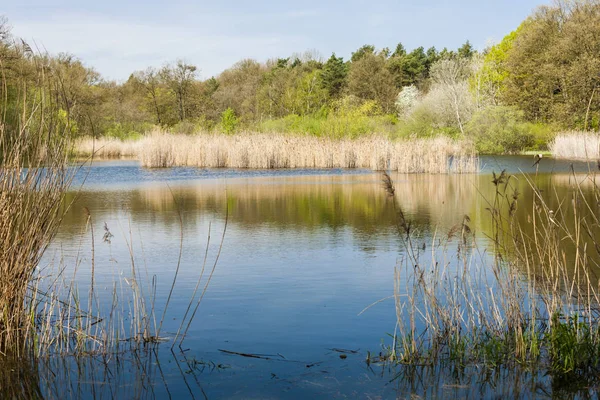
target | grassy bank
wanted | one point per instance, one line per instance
(264, 151)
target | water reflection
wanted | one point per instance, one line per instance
(347, 210)
(157, 374)
(302, 257)
(296, 203)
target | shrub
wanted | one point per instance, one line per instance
(347, 118)
(229, 121)
(424, 123)
(407, 99)
(500, 129)
(123, 132)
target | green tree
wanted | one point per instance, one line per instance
(370, 79)
(333, 78)
(309, 92)
(432, 57)
(400, 51)
(500, 129)
(362, 52)
(239, 87)
(229, 121)
(80, 94)
(466, 50)
(552, 66)
(180, 78)
(494, 73)
(409, 69)
(149, 82)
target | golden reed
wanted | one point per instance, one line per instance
(160, 149)
(576, 145)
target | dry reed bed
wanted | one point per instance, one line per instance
(265, 151)
(576, 145)
(106, 148)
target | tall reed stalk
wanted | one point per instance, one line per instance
(33, 180)
(533, 302)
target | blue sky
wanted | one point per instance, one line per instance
(119, 37)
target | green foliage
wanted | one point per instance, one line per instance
(333, 78)
(572, 346)
(193, 126)
(493, 351)
(179, 78)
(412, 68)
(497, 130)
(400, 51)
(65, 123)
(229, 121)
(348, 117)
(493, 72)
(552, 68)
(466, 50)
(370, 79)
(543, 134)
(122, 132)
(364, 51)
(423, 123)
(548, 68)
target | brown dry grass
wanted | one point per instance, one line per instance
(263, 151)
(576, 145)
(105, 148)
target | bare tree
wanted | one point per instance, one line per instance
(450, 76)
(180, 78)
(4, 29)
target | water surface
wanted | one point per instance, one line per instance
(305, 251)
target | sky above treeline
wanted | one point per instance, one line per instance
(117, 37)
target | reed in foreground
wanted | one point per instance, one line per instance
(266, 151)
(533, 304)
(576, 145)
(33, 181)
(41, 310)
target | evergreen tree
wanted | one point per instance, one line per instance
(432, 57)
(466, 50)
(365, 50)
(446, 54)
(414, 67)
(333, 78)
(400, 51)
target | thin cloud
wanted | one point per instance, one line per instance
(111, 45)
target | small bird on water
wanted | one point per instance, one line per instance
(538, 158)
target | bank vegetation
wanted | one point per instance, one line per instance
(506, 98)
(269, 151)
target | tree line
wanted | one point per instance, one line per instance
(540, 78)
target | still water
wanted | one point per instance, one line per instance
(304, 253)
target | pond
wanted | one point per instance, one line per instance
(302, 258)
